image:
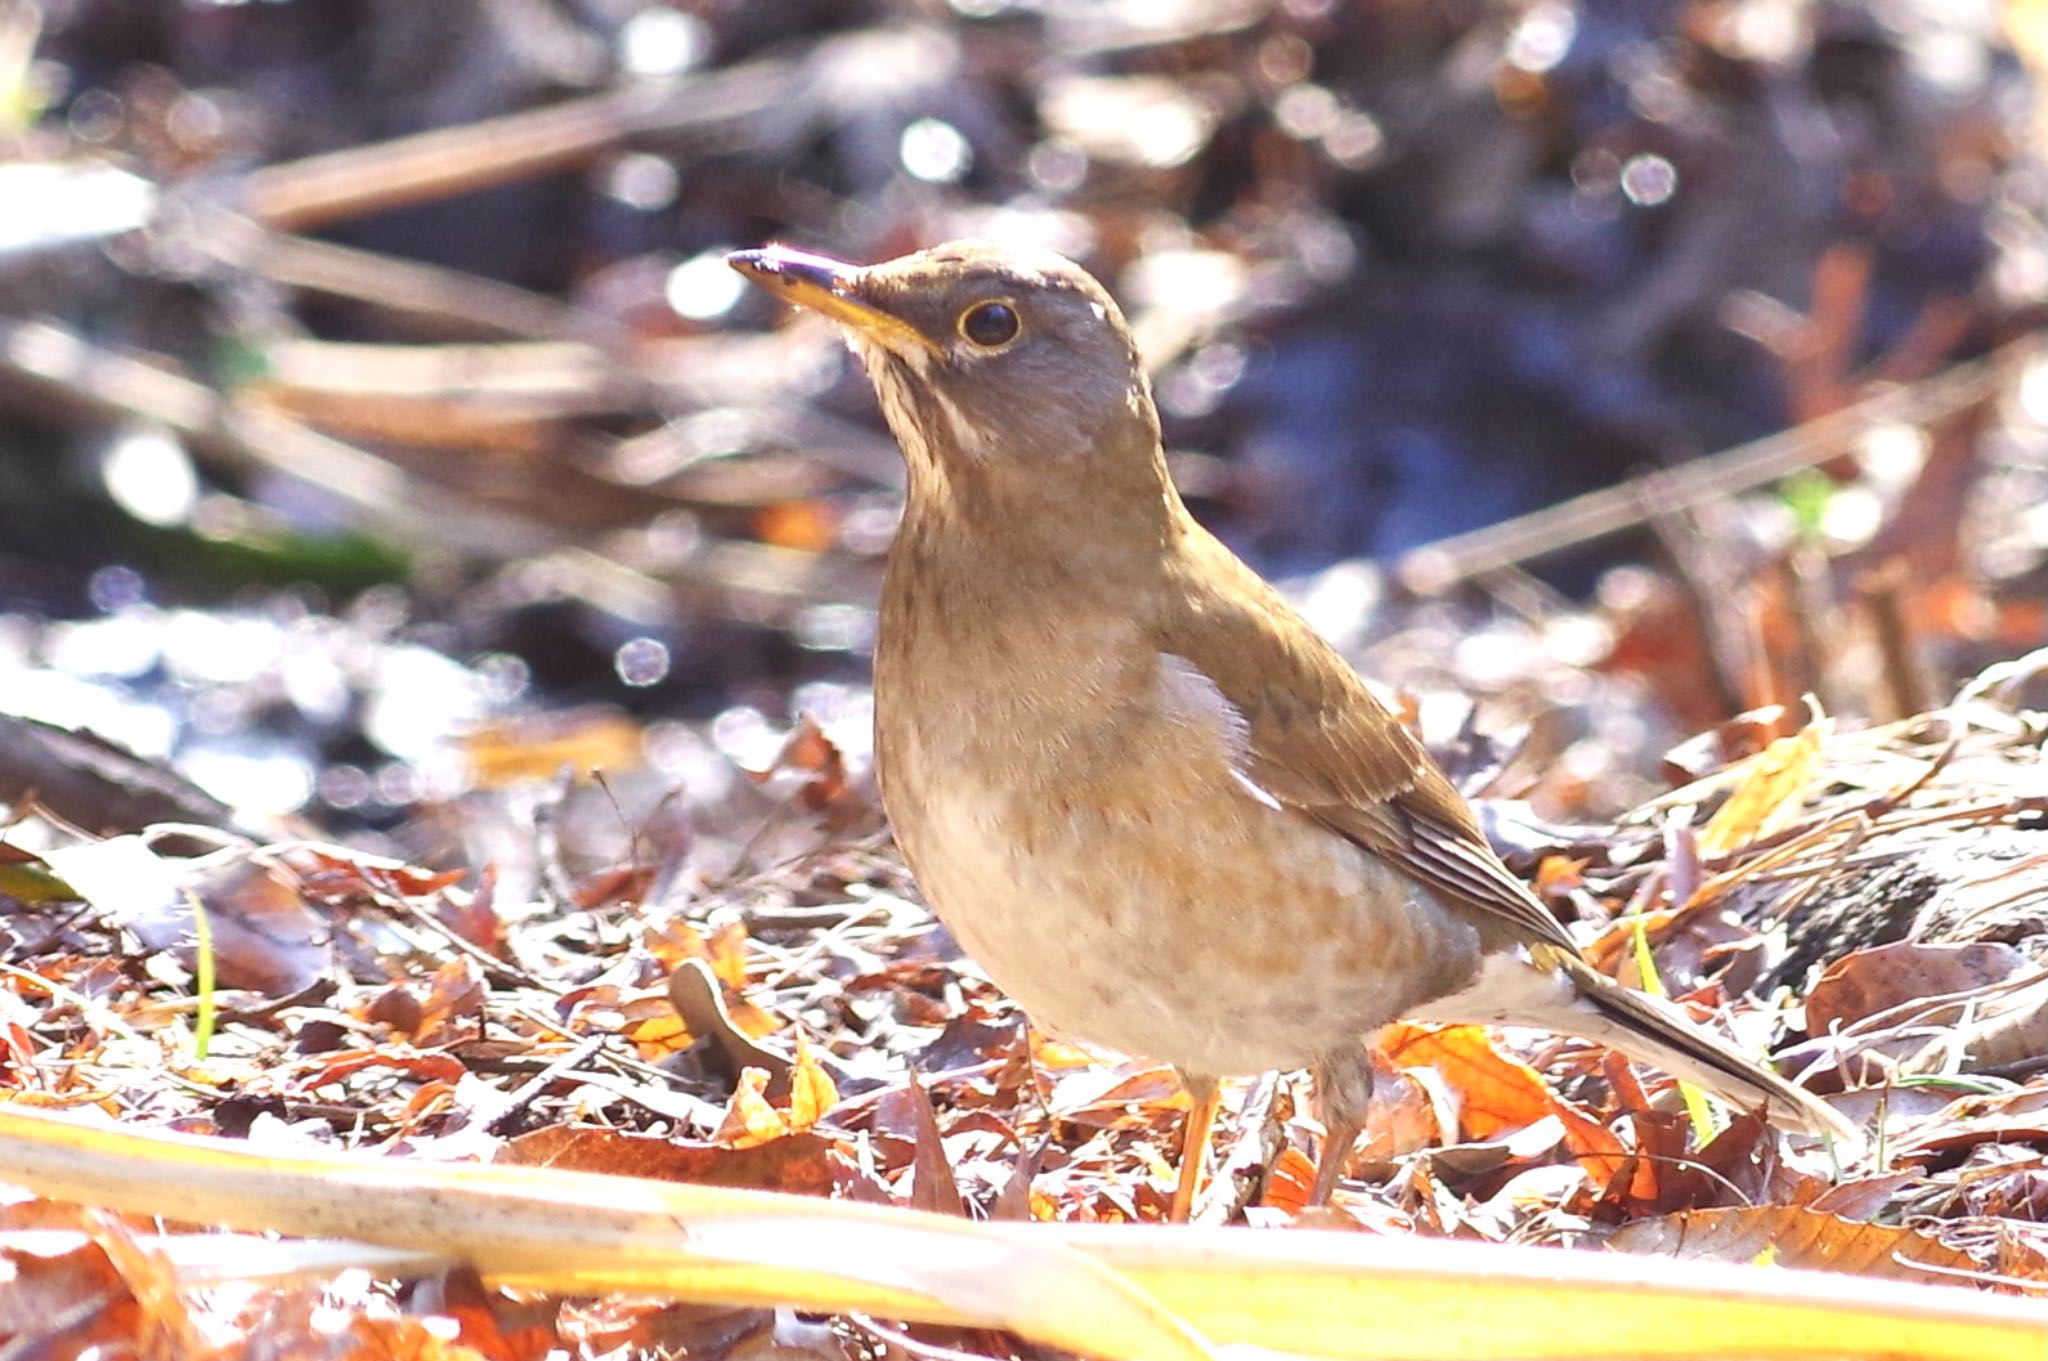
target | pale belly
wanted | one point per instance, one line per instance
(1174, 915)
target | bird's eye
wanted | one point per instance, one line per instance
(991, 325)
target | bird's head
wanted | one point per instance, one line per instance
(991, 362)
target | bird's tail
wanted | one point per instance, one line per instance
(1657, 1032)
(1554, 989)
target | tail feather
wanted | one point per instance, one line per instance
(1657, 1032)
(1552, 990)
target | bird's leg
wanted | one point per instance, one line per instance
(1344, 1092)
(1203, 1097)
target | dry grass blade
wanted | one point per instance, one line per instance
(581, 1234)
(1122, 1291)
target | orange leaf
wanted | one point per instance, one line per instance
(1500, 1093)
(676, 940)
(1596, 1149)
(429, 1099)
(727, 949)
(655, 1029)
(749, 1119)
(453, 1005)
(800, 1164)
(811, 1091)
(1794, 1236)
(339, 1068)
(1559, 874)
(1288, 1184)
(621, 884)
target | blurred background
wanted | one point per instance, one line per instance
(381, 433)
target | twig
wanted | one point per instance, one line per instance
(515, 1103)
(1448, 562)
(747, 580)
(450, 161)
(448, 298)
(1883, 594)
(108, 381)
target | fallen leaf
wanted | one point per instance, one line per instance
(701, 1002)
(1559, 874)
(1866, 982)
(795, 1163)
(809, 753)
(264, 937)
(1772, 793)
(1288, 1184)
(1101, 1095)
(49, 1274)
(811, 1090)
(340, 1067)
(932, 1185)
(1862, 1197)
(1797, 1237)
(452, 1008)
(1498, 1093)
(750, 1119)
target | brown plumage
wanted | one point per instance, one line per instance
(1148, 799)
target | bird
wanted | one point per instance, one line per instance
(1153, 804)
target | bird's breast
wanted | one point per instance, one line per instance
(1086, 830)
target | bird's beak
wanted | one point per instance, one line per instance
(831, 288)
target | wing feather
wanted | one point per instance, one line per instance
(1319, 741)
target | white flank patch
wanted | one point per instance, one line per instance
(1188, 697)
(1510, 990)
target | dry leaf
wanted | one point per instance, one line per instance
(1798, 1237)
(1559, 874)
(1287, 1186)
(933, 1186)
(264, 938)
(1771, 795)
(700, 1001)
(1499, 1093)
(811, 1090)
(48, 1274)
(726, 948)
(796, 1164)
(749, 1118)
(655, 1029)
(1099, 1095)
(1866, 982)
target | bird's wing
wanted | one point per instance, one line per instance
(1318, 741)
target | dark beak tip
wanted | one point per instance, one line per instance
(779, 266)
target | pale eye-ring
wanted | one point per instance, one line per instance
(991, 325)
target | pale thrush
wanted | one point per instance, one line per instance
(1161, 812)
